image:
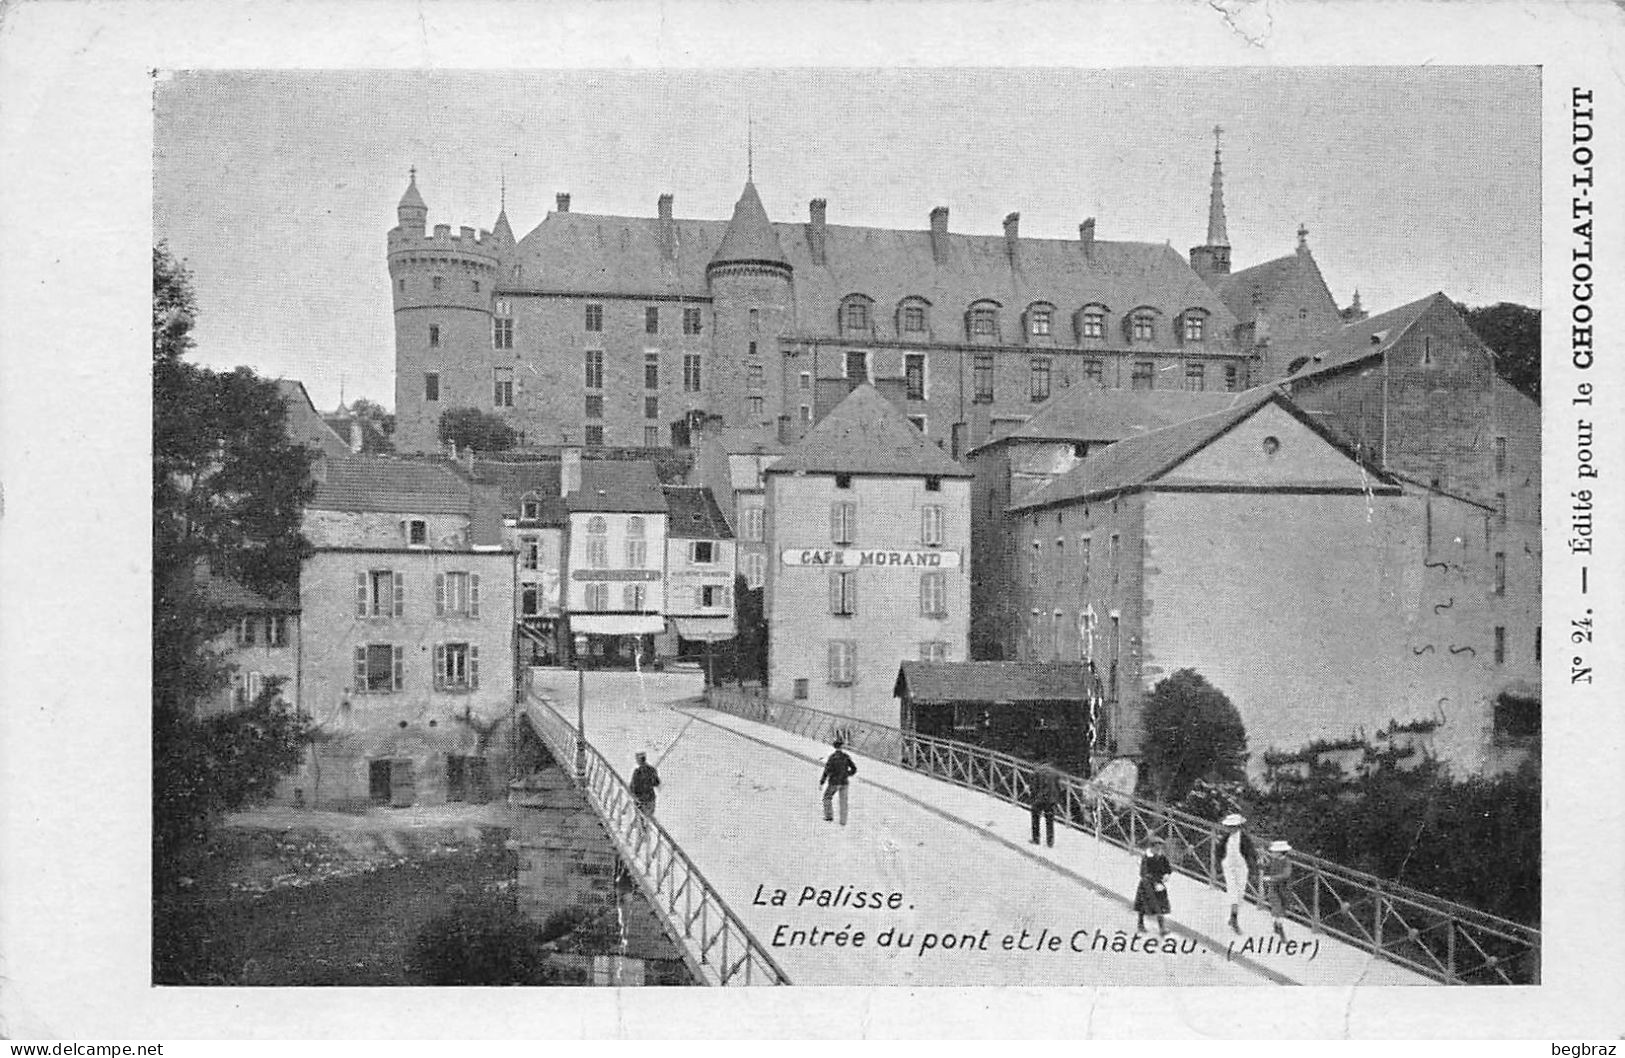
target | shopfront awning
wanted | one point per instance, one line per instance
(704, 628)
(619, 624)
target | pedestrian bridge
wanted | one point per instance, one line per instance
(934, 881)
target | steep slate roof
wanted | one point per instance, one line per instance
(589, 253)
(1136, 461)
(612, 485)
(1089, 413)
(748, 440)
(867, 434)
(750, 235)
(376, 483)
(1269, 279)
(1355, 342)
(515, 481)
(412, 198)
(305, 424)
(692, 514)
(991, 681)
(228, 594)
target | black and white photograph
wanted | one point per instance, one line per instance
(633, 530)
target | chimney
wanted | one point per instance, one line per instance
(465, 233)
(1086, 235)
(1012, 237)
(815, 230)
(357, 442)
(569, 470)
(563, 201)
(939, 234)
(667, 228)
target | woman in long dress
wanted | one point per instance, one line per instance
(1274, 875)
(1236, 863)
(1151, 898)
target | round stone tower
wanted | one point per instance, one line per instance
(752, 291)
(442, 286)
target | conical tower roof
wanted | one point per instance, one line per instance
(412, 200)
(1216, 233)
(750, 235)
(867, 434)
(501, 229)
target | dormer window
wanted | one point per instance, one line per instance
(530, 509)
(1092, 322)
(1145, 328)
(1040, 320)
(855, 315)
(914, 319)
(982, 322)
(1193, 326)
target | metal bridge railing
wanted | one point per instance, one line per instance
(1438, 938)
(717, 945)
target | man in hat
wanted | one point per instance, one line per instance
(1046, 794)
(1273, 876)
(838, 771)
(645, 779)
(1236, 861)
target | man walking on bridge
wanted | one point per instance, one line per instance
(838, 770)
(1046, 793)
(645, 779)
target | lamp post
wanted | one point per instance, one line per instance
(581, 706)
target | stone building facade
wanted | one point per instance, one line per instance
(868, 525)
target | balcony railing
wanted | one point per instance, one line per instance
(1438, 938)
(716, 944)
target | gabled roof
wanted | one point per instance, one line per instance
(1356, 342)
(588, 253)
(991, 681)
(612, 485)
(518, 480)
(381, 484)
(1138, 461)
(692, 514)
(1089, 413)
(229, 595)
(305, 424)
(867, 434)
(1268, 279)
(750, 235)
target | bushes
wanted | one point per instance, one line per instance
(489, 941)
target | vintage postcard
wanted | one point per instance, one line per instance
(815, 521)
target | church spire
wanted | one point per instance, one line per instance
(1211, 260)
(1216, 235)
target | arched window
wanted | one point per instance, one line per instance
(1090, 322)
(1038, 323)
(914, 319)
(1140, 326)
(857, 316)
(982, 321)
(1192, 327)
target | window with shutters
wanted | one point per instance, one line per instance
(933, 594)
(597, 542)
(380, 593)
(637, 544)
(380, 668)
(755, 571)
(982, 372)
(634, 597)
(247, 631)
(843, 594)
(530, 552)
(843, 662)
(843, 522)
(931, 525)
(701, 552)
(934, 650)
(456, 667)
(597, 596)
(914, 375)
(245, 688)
(457, 594)
(417, 532)
(276, 631)
(1038, 375)
(753, 523)
(713, 595)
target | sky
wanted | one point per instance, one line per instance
(277, 188)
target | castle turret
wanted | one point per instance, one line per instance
(442, 286)
(1212, 259)
(752, 292)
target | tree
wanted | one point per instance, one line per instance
(472, 428)
(1191, 732)
(377, 440)
(228, 490)
(750, 643)
(1513, 334)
